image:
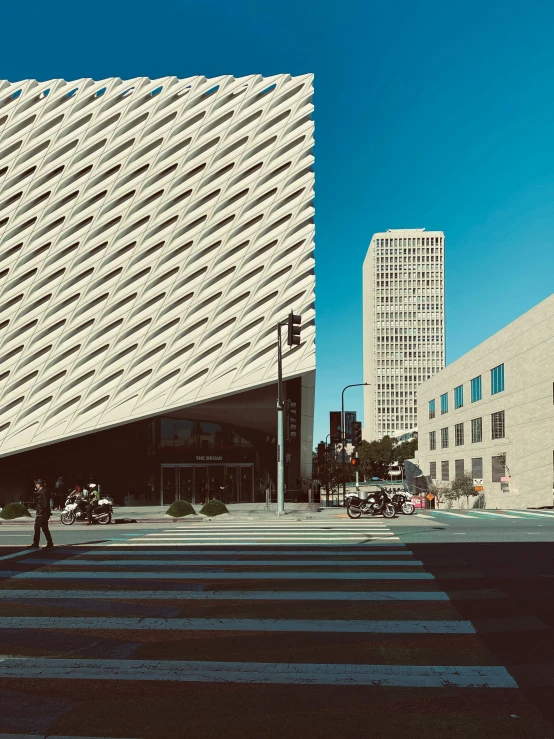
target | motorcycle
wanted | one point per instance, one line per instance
(76, 510)
(402, 503)
(375, 504)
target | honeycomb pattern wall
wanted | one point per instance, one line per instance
(152, 233)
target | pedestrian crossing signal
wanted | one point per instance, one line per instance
(355, 462)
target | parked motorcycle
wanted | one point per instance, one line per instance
(76, 510)
(375, 504)
(402, 503)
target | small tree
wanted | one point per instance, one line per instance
(443, 491)
(463, 485)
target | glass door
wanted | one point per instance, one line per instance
(169, 488)
(232, 480)
(201, 484)
(246, 483)
(185, 484)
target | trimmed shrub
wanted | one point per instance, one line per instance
(180, 508)
(214, 508)
(13, 510)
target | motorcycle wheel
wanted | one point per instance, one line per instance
(104, 518)
(67, 518)
(408, 509)
(354, 512)
(388, 511)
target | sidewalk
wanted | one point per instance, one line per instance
(157, 514)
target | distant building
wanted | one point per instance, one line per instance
(403, 325)
(491, 413)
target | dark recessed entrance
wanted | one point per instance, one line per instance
(230, 483)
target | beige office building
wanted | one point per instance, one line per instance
(491, 412)
(403, 325)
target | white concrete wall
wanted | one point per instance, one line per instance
(526, 348)
(154, 234)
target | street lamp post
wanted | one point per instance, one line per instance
(343, 437)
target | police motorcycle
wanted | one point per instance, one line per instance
(402, 502)
(76, 507)
(378, 502)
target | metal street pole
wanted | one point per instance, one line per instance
(280, 429)
(343, 437)
(327, 444)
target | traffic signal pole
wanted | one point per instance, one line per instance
(343, 437)
(293, 339)
(280, 429)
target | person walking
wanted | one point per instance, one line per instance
(42, 516)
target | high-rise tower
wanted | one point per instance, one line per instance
(403, 325)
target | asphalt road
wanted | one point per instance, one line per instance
(419, 626)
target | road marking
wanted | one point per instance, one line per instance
(98, 575)
(19, 554)
(308, 625)
(425, 515)
(258, 672)
(390, 552)
(532, 513)
(293, 595)
(457, 533)
(227, 563)
(362, 545)
(496, 515)
(451, 513)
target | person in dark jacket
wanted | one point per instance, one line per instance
(42, 514)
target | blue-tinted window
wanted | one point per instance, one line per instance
(431, 409)
(458, 396)
(444, 403)
(497, 379)
(476, 391)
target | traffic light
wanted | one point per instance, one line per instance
(293, 334)
(357, 433)
(355, 462)
(291, 420)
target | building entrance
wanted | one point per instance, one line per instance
(230, 483)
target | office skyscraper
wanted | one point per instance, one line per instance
(403, 325)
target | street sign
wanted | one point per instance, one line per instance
(335, 423)
(478, 484)
(429, 496)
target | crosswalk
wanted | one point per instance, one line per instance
(483, 515)
(293, 533)
(297, 604)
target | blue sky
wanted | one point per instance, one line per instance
(428, 114)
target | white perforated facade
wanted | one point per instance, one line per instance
(152, 234)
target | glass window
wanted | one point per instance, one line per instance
(444, 403)
(433, 470)
(458, 396)
(431, 409)
(445, 470)
(444, 438)
(432, 440)
(476, 430)
(459, 434)
(477, 468)
(458, 467)
(497, 379)
(476, 391)
(498, 468)
(497, 425)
